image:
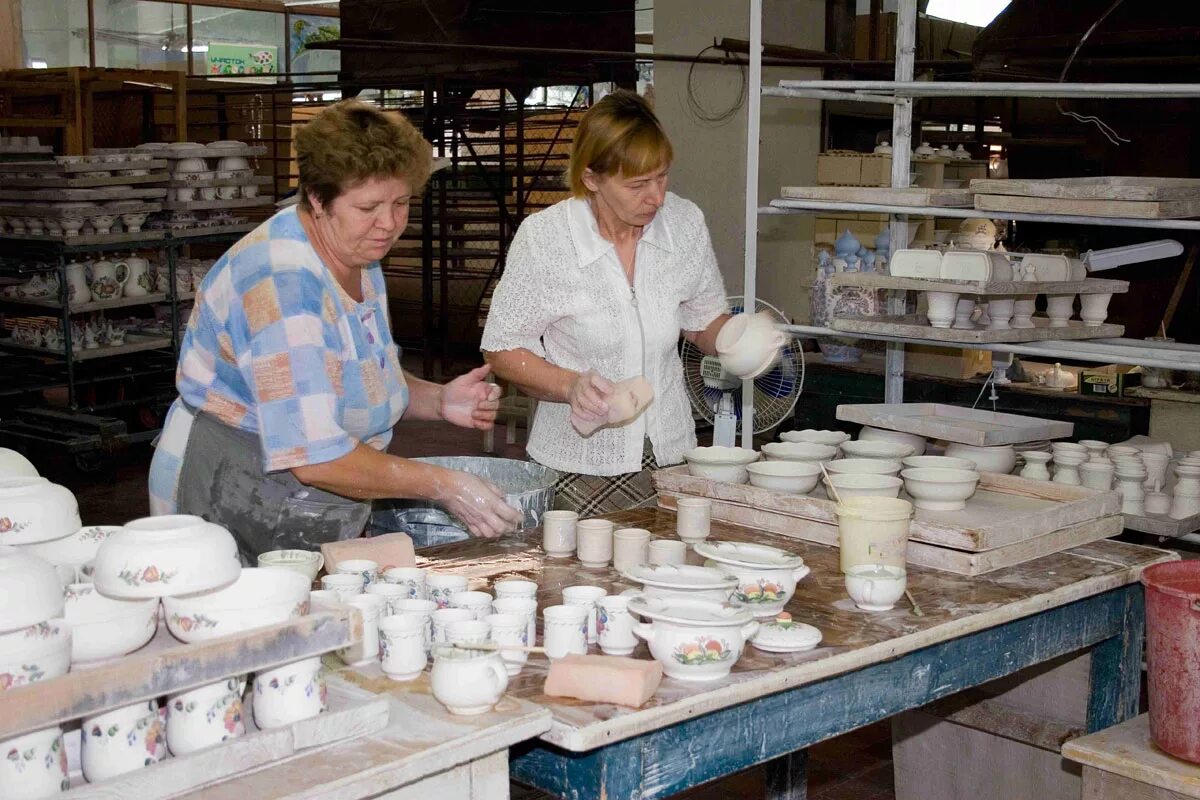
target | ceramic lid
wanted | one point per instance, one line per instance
(689, 611)
(680, 576)
(784, 635)
(750, 555)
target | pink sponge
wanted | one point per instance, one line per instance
(604, 679)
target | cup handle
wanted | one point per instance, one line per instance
(644, 631)
(749, 629)
(121, 270)
(499, 674)
(801, 571)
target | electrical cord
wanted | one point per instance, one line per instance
(697, 108)
(1104, 127)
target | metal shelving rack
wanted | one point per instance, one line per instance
(900, 93)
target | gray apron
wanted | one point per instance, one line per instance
(222, 480)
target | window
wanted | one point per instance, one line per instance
(136, 34)
(55, 33)
(229, 41)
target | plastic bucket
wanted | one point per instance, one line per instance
(1173, 656)
(873, 530)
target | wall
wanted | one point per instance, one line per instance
(710, 158)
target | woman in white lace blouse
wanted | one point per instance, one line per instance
(597, 289)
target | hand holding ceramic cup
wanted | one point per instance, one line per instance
(290, 693)
(748, 344)
(595, 542)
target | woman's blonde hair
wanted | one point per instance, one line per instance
(617, 136)
(351, 142)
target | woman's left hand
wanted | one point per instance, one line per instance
(469, 401)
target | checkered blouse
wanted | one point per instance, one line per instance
(276, 347)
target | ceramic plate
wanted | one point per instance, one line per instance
(682, 576)
(752, 555)
(689, 611)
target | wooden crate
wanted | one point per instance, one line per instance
(974, 426)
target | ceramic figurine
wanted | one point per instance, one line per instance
(823, 300)
(846, 245)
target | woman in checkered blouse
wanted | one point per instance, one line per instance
(289, 380)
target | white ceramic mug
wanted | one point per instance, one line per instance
(515, 588)
(586, 597)
(442, 618)
(202, 717)
(402, 647)
(38, 768)
(559, 533)
(390, 592)
(667, 551)
(362, 566)
(595, 542)
(422, 609)
(290, 693)
(630, 548)
(344, 586)
(440, 587)
(122, 740)
(371, 607)
(614, 626)
(468, 631)
(467, 681)
(509, 629)
(525, 607)
(693, 518)
(412, 577)
(478, 603)
(875, 587)
(564, 630)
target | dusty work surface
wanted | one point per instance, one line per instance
(953, 605)
(1126, 750)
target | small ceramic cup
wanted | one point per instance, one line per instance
(202, 717)
(344, 586)
(693, 518)
(468, 631)
(586, 597)
(510, 629)
(515, 588)
(559, 533)
(875, 587)
(36, 766)
(525, 607)
(371, 607)
(365, 567)
(418, 608)
(564, 630)
(290, 693)
(402, 646)
(441, 586)
(390, 592)
(412, 577)
(442, 618)
(668, 551)
(614, 626)
(122, 740)
(478, 603)
(595, 542)
(630, 548)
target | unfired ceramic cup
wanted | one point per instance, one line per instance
(668, 551)
(559, 533)
(515, 588)
(468, 631)
(693, 518)
(630, 548)
(595, 542)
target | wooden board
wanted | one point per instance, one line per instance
(96, 305)
(70, 195)
(874, 280)
(87, 213)
(1005, 510)
(54, 168)
(1126, 750)
(916, 326)
(254, 180)
(134, 343)
(351, 713)
(212, 205)
(947, 198)
(1110, 188)
(84, 181)
(141, 237)
(1136, 209)
(214, 230)
(973, 426)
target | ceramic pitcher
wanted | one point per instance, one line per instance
(108, 279)
(140, 281)
(78, 291)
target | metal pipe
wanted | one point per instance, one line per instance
(818, 94)
(1049, 89)
(750, 266)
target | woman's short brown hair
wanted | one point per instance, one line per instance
(351, 142)
(617, 136)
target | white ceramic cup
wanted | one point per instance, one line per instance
(371, 607)
(121, 740)
(418, 608)
(344, 586)
(442, 618)
(586, 596)
(630, 548)
(564, 630)
(515, 588)
(412, 577)
(595, 542)
(39, 768)
(478, 603)
(559, 532)
(390, 592)
(667, 551)
(875, 587)
(202, 717)
(440, 587)
(614, 625)
(510, 629)
(290, 693)
(185, 194)
(208, 193)
(526, 607)
(402, 646)
(468, 631)
(227, 192)
(362, 566)
(693, 518)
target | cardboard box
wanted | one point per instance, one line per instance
(839, 169)
(946, 362)
(876, 170)
(1108, 381)
(966, 171)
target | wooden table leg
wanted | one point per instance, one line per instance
(786, 777)
(1116, 673)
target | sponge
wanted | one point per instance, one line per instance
(604, 679)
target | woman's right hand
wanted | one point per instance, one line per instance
(588, 396)
(478, 503)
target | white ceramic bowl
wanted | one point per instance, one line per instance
(864, 485)
(35, 653)
(810, 452)
(767, 576)
(169, 555)
(190, 165)
(938, 489)
(1000, 458)
(104, 627)
(794, 477)
(15, 465)
(889, 450)
(74, 550)
(30, 591)
(233, 162)
(864, 466)
(259, 597)
(726, 464)
(918, 443)
(943, 462)
(305, 562)
(693, 639)
(36, 510)
(831, 438)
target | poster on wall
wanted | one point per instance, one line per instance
(242, 59)
(307, 30)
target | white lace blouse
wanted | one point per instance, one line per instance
(565, 297)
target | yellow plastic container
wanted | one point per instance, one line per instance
(873, 530)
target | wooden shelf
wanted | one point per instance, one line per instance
(84, 181)
(874, 280)
(216, 205)
(916, 326)
(134, 343)
(98, 305)
(98, 194)
(256, 180)
(215, 231)
(92, 240)
(54, 168)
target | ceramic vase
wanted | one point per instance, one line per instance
(139, 281)
(1035, 466)
(941, 310)
(1000, 309)
(1060, 308)
(78, 291)
(1093, 308)
(1131, 490)
(1066, 469)
(963, 311)
(1023, 309)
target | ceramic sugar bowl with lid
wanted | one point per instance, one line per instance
(693, 639)
(766, 575)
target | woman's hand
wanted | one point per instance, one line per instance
(476, 502)
(469, 401)
(588, 397)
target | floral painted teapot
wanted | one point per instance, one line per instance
(108, 279)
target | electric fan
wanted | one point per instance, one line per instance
(717, 395)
